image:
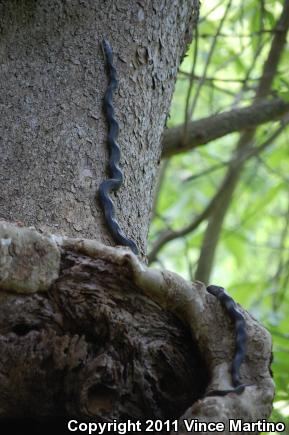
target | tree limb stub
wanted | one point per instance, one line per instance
(205, 130)
(80, 341)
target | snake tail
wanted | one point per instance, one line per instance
(240, 338)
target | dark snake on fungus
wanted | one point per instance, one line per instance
(114, 183)
(240, 339)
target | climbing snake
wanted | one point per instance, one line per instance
(114, 183)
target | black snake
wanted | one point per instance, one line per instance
(114, 183)
(240, 339)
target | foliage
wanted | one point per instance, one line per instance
(224, 64)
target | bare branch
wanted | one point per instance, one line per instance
(215, 79)
(231, 178)
(238, 35)
(282, 266)
(209, 58)
(213, 127)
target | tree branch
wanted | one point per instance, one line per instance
(191, 110)
(213, 127)
(217, 217)
(228, 184)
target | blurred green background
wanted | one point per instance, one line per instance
(222, 71)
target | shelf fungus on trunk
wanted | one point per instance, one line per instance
(88, 331)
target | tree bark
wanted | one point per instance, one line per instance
(53, 129)
(83, 330)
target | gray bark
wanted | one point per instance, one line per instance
(53, 129)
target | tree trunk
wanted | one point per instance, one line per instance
(53, 128)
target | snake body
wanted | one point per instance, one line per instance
(115, 173)
(114, 183)
(240, 338)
